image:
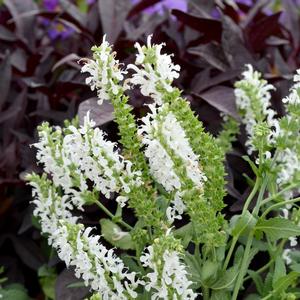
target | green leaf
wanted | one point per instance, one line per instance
(242, 224)
(257, 280)
(115, 236)
(194, 267)
(162, 202)
(284, 282)
(279, 271)
(47, 280)
(278, 228)
(268, 283)
(131, 264)
(209, 271)
(238, 256)
(35, 223)
(185, 234)
(227, 279)
(14, 292)
(48, 286)
(220, 295)
(220, 253)
(82, 6)
(260, 245)
(78, 284)
(252, 165)
(295, 267)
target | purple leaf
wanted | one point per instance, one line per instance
(74, 12)
(276, 41)
(5, 71)
(203, 81)
(291, 20)
(6, 35)
(134, 33)
(211, 29)
(9, 113)
(19, 59)
(28, 251)
(141, 6)
(100, 114)
(254, 11)
(113, 13)
(259, 31)
(68, 59)
(212, 53)
(62, 291)
(233, 45)
(222, 98)
(25, 24)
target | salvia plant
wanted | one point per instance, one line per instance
(169, 173)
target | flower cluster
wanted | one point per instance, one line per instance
(253, 101)
(77, 247)
(155, 74)
(104, 71)
(169, 279)
(167, 144)
(74, 155)
(288, 143)
(283, 146)
(157, 71)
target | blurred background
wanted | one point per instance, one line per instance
(41, 43)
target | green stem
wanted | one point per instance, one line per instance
(276, 205)
(240, 278)
(290, 187)
(252, 194)
(244, 265)
(229, 254)
(205, 293)
(267, 297)
(260, 197)
(121, 222)
(235, 239)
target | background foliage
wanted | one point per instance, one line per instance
(41, 43)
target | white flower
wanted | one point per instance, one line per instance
(104, 71)
(166, 143)
(176, 208)
(92, 261)
(176, 139)
(84, 154)
(285, 213)
(286, 256)
(293, 241)
(163, 133)
(253, 100)
(293, 98)
(168, 275)
(122, 200)
(157, 71)
(289, 164)
(297, 76)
